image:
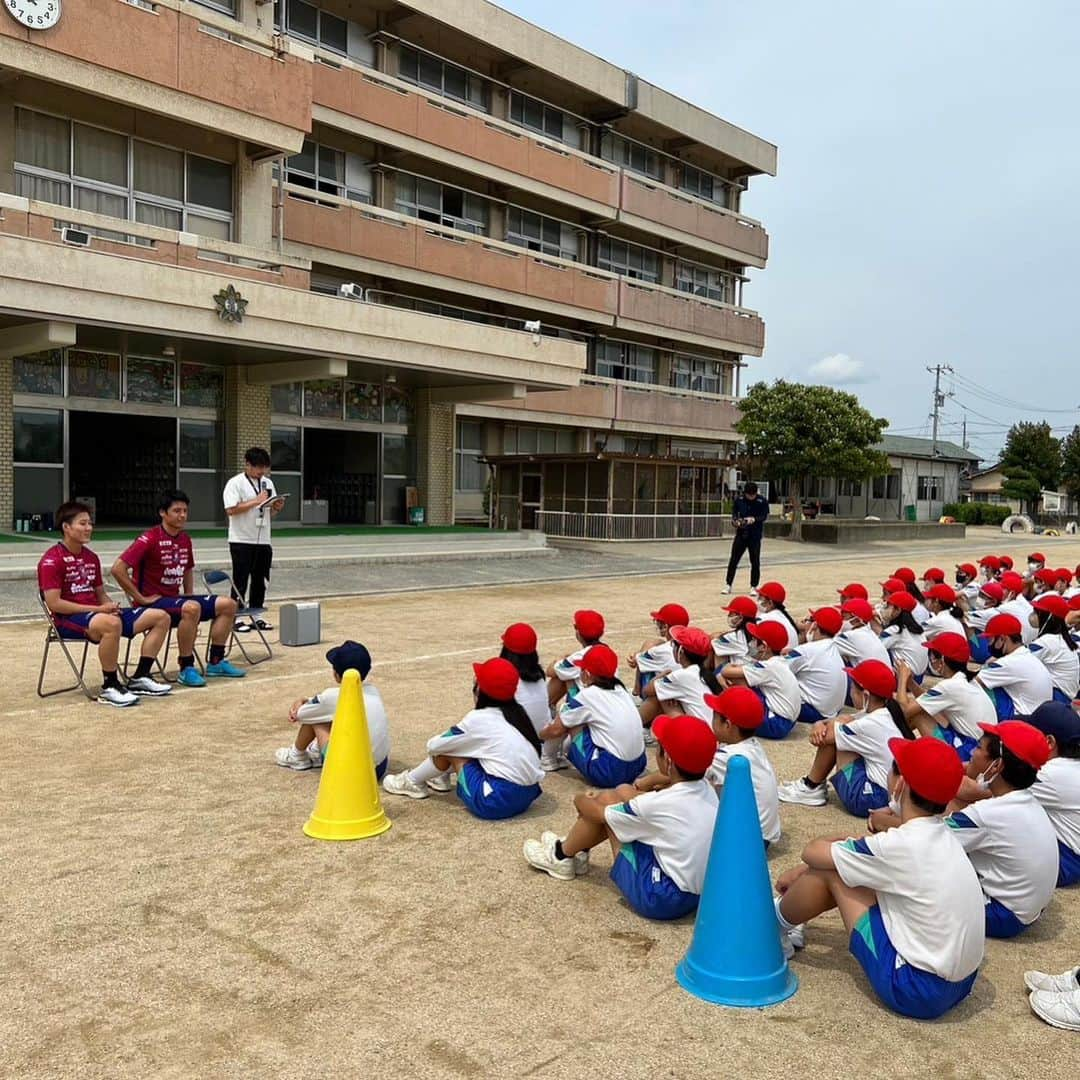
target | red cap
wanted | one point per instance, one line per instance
(992, 561)
(893, 585)
(1006, 561)
(828, 619)
(935, 574)
(1004, 625)
(744, 606)
(854, 591)
(945, 593)
(773, 590)
(994, 590)
(497, 678)
(874, 676)
(1056, 605)
(1065, 574)
(600, 660)
(589, 624)
(1026, 742)
(520, 638)
(861, 609)
(902, 600)
(740, 705)
(1011, 581)
(771, 632)
(1037, 556)
(967, 568)
(930, 767)
(692, 640)
(905, 574)
(672, 615)
(688, 741)
(1074, 602)
(1049, 577)
(951, 646)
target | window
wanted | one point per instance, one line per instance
(317, 26)
(444, 78)
(363, 401)
(539, 233)
(285, 449)
(333, 172)
(469, 473)
(930, 488)
(630, 260)
(703, 281)
(631, 155)
(703, 185)
(104, 172)
(886, 487)
(532, 440)
(536, 116)
(200, 445)
(696, 373)
(849, 488)
(323, 399)
(150, 380)
(227, 6)
(398, 405)
(202, 386)
(93, 375)
(39, 373)
(39, 436)
(442, 205)
(286, 398)
(626, 362)
(399, 455)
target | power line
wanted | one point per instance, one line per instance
(993, 398)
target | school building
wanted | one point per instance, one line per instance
(384, 239)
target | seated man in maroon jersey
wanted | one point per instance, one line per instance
(157, 570)
(69, 577)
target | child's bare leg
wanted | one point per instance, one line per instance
(818, 891)
(556, 690)
(322, 734)
(648, 710)
(823, 765)
(591, 827)
(304, 734)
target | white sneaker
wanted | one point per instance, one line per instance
(315, 754)
(581, 859)
(1064, 983)
(446, 781)
(554, 764)
(113, 695)
(799, 791)
(754, 593)
(401, 784)
(1057, 1009)
(144, 686)
(288, 757)
(726, 590)
(797, 936)
(541, 854)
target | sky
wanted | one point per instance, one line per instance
(926, 208)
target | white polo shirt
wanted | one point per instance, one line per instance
(731, 647)
(902, 644)
(677, 823)
(1058, 792)
(483, 735)
(861, 643)
(1022, 677)
(1062, 662)
(929, 896)
(944, 622)
(775, 679)
(657, 658)
(533, 698)
(567, 669)
(819, 668)
(921, 613)
(762, 776)
(1022, 609)
(321, 708)
(1013, 847)
(868, 736)
(979, 617)
(779, 617)
(252, 526)
(961, 704)
(613, 719)
(684, 685)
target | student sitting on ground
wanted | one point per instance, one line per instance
(902, 635)
(1018, 683)
(660, 828)
(494, 749)
(564, 675)
(989, 597)
(737, 718)
(858, 747)
(967, 583)
(1007, 835)
(859, 640)
(1058, 785)
(907, 576)
(819, 668)
(771, 596)
(946, 617)
(682, 690)
(1016, 603)
(768, 674)
(657, 655)
(1054, 647)
(315, 715)
(605, 741)
(911, 907)
(519, 647)
(733, 643)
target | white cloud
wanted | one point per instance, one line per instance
(839, 369)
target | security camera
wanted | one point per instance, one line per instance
(532, 326)
(351, 291)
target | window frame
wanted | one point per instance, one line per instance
(481, 102)
(707, 282)
(548, 112)
(414, 208)
(630, 364)
(623, 266)
(696, 373)
(612, 142)
(519, 238)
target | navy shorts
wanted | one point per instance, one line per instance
(963, 745)
(380, 769)
(907, 990)
(173, 604)
(773, 727)
(491, 797)
(74, 627)
(1001, 922)
(1060, 695)
(858, 794)
(599, 766)
(1068, 866)
(1003, 704)
(808, 714)
(649, 891)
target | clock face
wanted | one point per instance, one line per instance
(35, 14)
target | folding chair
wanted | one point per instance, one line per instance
(163, 662)
(52, 637)
(221, 577)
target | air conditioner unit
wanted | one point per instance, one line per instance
(78, 237)
(351, 291)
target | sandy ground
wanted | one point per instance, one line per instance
(163, 914)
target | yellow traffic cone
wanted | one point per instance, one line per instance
(347, 806)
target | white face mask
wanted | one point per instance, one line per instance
(1033, 566)
(847, 625)
(986, 777)
(982, 602)
(894, 799)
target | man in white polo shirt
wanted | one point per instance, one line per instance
(1018, 682)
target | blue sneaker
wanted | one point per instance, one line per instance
(223, 669)
(190, 676)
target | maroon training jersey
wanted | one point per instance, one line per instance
(159, 562)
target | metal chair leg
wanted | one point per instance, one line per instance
(78, 671)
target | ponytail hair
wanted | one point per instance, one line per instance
(607, 682)
(915, 591)
(787, 615)
(957, 612)
(708, 676)
(527, 664)
(898, 718)
(1051, 624)
(956, 665)
(514, 715)
(905, 620)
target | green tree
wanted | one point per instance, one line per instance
(793, 431)
(1022, 485)
(1033, 448)
(1070, 462)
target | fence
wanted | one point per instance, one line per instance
(581, 526)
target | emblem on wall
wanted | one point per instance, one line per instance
(231, 306)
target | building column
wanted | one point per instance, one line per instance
(435, 433)
(247, 417)
(7, 445)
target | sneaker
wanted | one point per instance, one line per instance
(799, 791)
(1057, 1009)
(726, 590)
(581, 859)
(541, 854)
(446, 781)
(1064, 983)
(190, 676)
(554, 763)
(145, 686)
(223, 669)
(263, 625)
(118, 696)
(315, 754)
(650, 738)
(288, 757)
(754, 593)
(401, 784)
(241, 626)
(797, 936)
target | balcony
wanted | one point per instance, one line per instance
(243, 81)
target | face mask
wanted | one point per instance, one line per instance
(997, 651)
(894, 799)
(1033, 566)
(984, 779)
(847, 625)
(733, 621)
(754, 651)
(987, 574)
(982, 603)
(961, 579)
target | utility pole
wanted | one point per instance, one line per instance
(963, 441)
(939, 401)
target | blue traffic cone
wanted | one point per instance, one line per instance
(735, 957)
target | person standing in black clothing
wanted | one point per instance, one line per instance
(748, 514)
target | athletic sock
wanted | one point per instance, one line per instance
(109, 679)
(217, 654)
(426, 770)
(146, 663)
(812, 783)
(559, 853)
(187, 661)
(784, 924)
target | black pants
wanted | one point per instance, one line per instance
(740, 544)
(251, 561)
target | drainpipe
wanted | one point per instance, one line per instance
(281, 204)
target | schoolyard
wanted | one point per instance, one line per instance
(164, 915)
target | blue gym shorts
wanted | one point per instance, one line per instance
(1068, 866)
(908, 990)
(1001, 922)
(173, 604)
(491, 797)
(1060, 695)
(599, 766)
(1003, 704)
(808, 714)
(964, 746)
(74, 627)
(774, 727)
(858, 794)
(649, 891)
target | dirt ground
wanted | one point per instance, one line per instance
(164, 915)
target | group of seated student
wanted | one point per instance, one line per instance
(156, 572)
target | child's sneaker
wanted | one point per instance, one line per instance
(288, 757)
(554, 762)
(1060, 1010)
(799, 791)
(402, 784)
(1064, 983)
(315, 754)
(541, 854)
(581, 859)
(650, 738)
(446, 781)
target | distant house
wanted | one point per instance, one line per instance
(986, 484)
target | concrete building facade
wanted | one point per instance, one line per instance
(381, 238)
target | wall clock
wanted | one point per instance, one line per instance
(35, 14)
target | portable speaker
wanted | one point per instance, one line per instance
(301, 624)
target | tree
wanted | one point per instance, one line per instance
(792, 430)
(1033, 448)
(1070, 462)
(1022, 485)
